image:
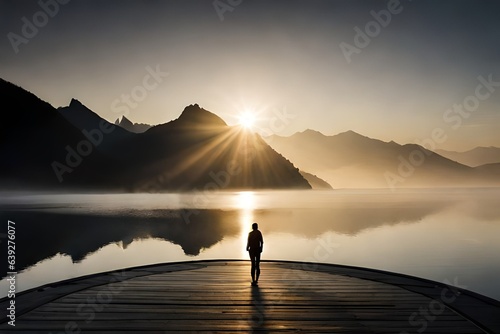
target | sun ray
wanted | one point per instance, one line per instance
(208, 152)
(245, 201)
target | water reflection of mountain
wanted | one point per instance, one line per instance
(485, 208)
(42, 234)
(346, 218)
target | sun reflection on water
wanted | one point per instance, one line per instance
(245, 202)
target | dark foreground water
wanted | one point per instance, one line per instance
(444, 235)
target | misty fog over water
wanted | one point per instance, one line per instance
(439, 234)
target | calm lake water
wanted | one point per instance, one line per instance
(444, 234)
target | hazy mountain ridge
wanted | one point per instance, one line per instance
(476, 157)
(350, 160)
(316, 182)
(196, 151)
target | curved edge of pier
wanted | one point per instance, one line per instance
(482, 311)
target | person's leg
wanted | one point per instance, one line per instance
(257, 265)
(252, 270)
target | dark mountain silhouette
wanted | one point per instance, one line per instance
(476, 157)
(41, 148)
(199, 151)
(316, 182)
(33, 135)
(132, 127)
(85, 119)
(79, 235)
(351, 160)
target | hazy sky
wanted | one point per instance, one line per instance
(275, 57)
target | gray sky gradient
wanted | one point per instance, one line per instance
(269, 56)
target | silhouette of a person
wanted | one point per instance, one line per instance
(255, 244)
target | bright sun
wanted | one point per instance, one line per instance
(246, 119)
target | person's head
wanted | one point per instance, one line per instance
(255, 226)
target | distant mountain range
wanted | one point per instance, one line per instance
(350, 160)
(475, 157)
(73, 147)
(42, 147)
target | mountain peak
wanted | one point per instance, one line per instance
(77, 107)
(130, 126)
(195, 114)
(312, 132)
(308, 133)
(75, 103)
(350, 133)
(353, 136)
(125, 122)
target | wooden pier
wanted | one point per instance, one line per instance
(216, 296)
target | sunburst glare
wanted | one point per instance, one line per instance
(247, 119)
